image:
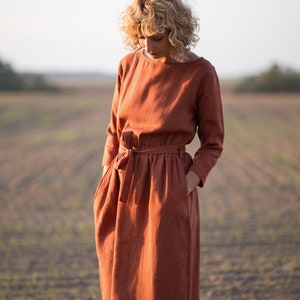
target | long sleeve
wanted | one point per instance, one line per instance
(112, 141)
(210, 126)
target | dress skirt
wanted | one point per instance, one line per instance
(147, 230)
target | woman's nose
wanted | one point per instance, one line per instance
(149, 45)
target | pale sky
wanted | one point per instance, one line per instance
(238, 36)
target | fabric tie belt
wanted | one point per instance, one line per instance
(125, 161)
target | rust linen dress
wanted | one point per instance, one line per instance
(147, 229)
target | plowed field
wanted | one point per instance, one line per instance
(50, 152)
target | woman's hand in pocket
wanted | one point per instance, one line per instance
(192, 181)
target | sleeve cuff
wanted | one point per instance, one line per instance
(200, 174)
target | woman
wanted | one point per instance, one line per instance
(146, 204)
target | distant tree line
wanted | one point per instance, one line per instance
(10, 80)
(275, 80)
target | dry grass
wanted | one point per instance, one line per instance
(50, 152)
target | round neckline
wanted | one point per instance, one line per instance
(157, 62)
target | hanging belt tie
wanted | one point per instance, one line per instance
(125, 161)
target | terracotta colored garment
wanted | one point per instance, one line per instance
(147, 229)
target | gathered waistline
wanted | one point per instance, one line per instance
(125, 162)
(170, 149)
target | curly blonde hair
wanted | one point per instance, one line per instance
(170, 17)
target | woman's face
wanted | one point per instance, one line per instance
(157, 47)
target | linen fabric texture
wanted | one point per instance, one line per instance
(147, 228)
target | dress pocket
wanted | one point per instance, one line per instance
(183, 180)
(102, 188)
(177, 187)
(186, 162)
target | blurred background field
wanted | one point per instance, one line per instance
(50, 153)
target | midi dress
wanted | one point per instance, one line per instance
(147, 228)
